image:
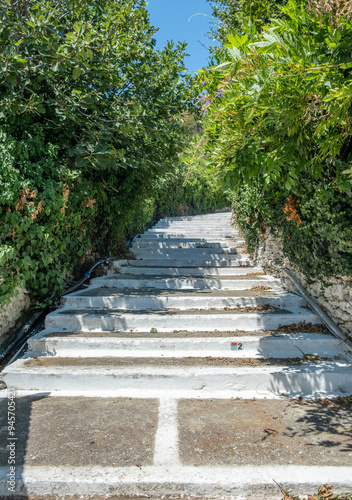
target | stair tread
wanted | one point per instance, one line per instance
(185, 312)
(179, 334)
(103, 291)
(137, 363)
(205, 277)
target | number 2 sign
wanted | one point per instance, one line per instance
(236, 346)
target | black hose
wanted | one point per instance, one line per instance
(24, 332)
(35, 323)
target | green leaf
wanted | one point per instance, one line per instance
(223, 66)
(76, 73)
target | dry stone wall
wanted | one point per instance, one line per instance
(334, 295)
(10, 313)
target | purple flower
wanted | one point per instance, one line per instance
(207, 103)
(201, 99)
(219, 94)
(203, 83)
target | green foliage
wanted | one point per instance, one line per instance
(320, 245)
(277, 115)
(191, 188)
(90, 119)
(230, 13)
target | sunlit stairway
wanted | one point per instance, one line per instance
(180, 352)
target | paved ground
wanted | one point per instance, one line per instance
(109, 432)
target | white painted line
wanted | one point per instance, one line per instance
(232, 482)
(157, 394)
(166, 439)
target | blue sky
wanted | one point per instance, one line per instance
(172, 17)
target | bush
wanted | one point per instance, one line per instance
(277, 122)
(91, 118)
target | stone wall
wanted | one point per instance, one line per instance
(335, 298)
(10, 313)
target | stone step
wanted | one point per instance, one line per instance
(181, 243)
(178, 238)
(199, 218)
(193, 257)
(216, 247)
(181, 283)
(279, 346)
(216, 221)
(196, 227)
(219, 215)
(124, 268)
(181, 377)
(163, 321)
(192, 233)
(230, 262)
(196, 224)
(153, 299)
(184, 253)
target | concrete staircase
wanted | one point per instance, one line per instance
(188, 372)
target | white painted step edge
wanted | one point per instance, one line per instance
(173, 263)
(124, 268)
(231, 482)
(140, 243)
(184, 283)
(65, 320)
(284, 346)
(150, 302)
(306, 380)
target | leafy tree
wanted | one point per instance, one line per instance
(230, 14)
(277, 115)
(90, 117)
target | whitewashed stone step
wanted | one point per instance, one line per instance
(124, 268)
(165, 321)
(193, 377)
(196, 221)
(139, 243)
(188, 256)
(176, 253)
(195, 227)
(179, 283)
(190, 218)
(279, 346)
(171, 263)
(194, 234)
(196, 224)
(153, 240)
(152, 237)
(226, 213)
(144, 299)
(219, 215)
